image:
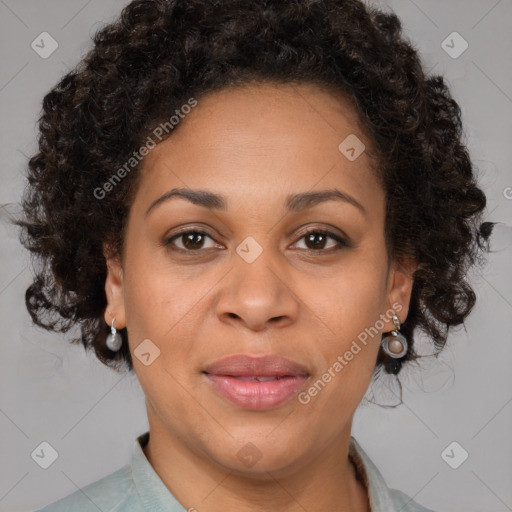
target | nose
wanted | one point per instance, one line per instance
(257, 295)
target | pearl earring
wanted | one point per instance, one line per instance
(395, 344)
(114, 339)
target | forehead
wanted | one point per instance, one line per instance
(265, 138)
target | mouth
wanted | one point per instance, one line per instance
(256, 383)
(258, 378)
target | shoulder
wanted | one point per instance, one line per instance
(406, 503)
(112, 492)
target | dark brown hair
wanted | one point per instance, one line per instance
(160, 53)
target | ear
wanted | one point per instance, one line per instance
(114, 290)
(400, 283)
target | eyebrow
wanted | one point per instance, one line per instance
(293, 203)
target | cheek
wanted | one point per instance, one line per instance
(348, 352)
(350, 309)
(162, 307)
(157, 299)
(352, 298)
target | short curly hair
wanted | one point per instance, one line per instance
(159, 53)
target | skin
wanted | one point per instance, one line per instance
(255, 145)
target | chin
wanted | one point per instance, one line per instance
(253, 454)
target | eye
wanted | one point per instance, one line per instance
(189, 241)
(316, 240)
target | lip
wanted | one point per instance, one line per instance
(236, 379)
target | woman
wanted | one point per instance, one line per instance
(254, 206)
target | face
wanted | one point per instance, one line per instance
(255, 266)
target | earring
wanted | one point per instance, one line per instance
(395, 344)
(114, 339)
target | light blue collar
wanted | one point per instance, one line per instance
(378, 491)
(152, 491)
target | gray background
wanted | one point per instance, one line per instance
(51, 391)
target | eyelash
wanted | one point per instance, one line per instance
(168, 242)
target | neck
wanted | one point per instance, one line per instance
(329, 481)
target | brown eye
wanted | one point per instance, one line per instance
(189, 240)
(316, 241)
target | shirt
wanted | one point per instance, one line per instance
(136, 487)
